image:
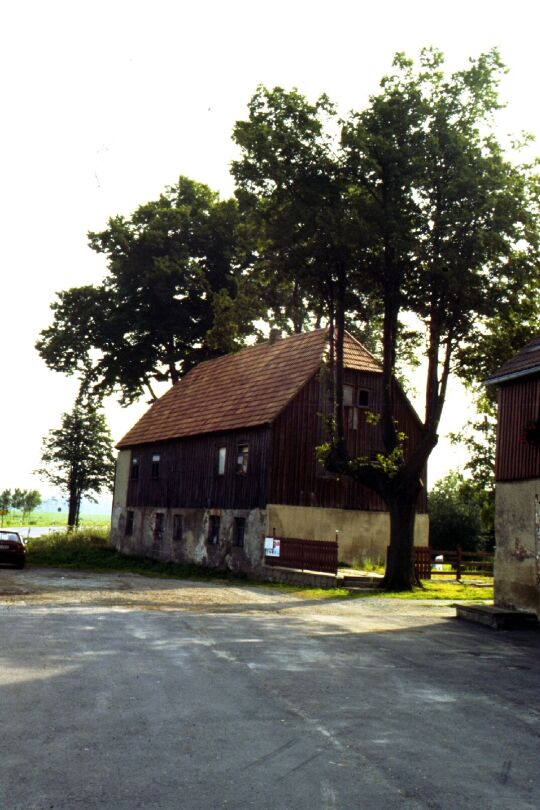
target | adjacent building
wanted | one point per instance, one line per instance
(227, 457)
(517, 476)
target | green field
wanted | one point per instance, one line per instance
(53, 519)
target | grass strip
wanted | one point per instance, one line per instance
(89, 550)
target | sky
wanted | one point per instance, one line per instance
(106, 103)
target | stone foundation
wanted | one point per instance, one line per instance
(361, 535)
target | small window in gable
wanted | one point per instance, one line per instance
(348, 395)
(221, 459)
(155, 465)
(242, 459)
(134, 469)
(363, 398)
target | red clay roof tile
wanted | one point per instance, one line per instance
(245, 389)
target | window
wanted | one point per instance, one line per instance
(213, 530)
(221, 458)
(242, 459)
(159, 524)
(134, 469)
(129, 523)
(155, 466)
(178, 527)
(363, 398)
(348, 395)
(352, 418)
(239, 531)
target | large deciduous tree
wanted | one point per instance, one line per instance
(172, 296)
(78, 457)
(424, 216)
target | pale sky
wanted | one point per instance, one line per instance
(106, 103)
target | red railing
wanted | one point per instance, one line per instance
(310, 555)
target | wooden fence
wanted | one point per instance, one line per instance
(455, 563)
(311, 555)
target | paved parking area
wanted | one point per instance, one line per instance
(123, 692)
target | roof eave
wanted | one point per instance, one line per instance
(512, 375)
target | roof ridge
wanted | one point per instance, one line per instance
(241, 389)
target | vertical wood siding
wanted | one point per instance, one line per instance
(519, 403)
(298, 480)
(282, 467)
(188, 472)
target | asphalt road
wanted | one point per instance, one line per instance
(121, 692)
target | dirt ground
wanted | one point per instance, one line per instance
(37, 586)
(61, 587)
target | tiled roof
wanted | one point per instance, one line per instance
(240, 390)
(523, 364)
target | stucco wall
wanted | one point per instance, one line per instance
(517, 545)
(121, 481)
(361, 534)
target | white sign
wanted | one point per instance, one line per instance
(272, 547)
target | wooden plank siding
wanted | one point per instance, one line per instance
(188, 472)
(297, 479)
(519, 403)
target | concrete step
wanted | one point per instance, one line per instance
(495, 617)
(361, 583)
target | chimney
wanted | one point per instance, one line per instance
(275, 334)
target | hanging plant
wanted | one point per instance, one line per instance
(531, 433)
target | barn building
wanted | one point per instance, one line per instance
(517, 477)
(227, 457)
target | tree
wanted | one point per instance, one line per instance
(455, 514)
(25, 500)
(78, 456)
(17, 499)
(5, 502)
(433, 223)
(31, 501)
(173, 296)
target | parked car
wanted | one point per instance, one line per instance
(12, 548)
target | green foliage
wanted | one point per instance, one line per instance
(78, 457)
(174, 295)
(417, 213)
(24, 500)
(296, 194)
(17, 499)
(31, 501)
(457, 514)
(479, 437)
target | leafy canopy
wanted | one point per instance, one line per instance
(78, 456)
(415, 210)
(172, 296)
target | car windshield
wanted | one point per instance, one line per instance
(10, 536)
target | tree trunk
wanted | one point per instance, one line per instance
(400, 575)
(72, 510)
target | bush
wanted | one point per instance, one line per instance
(455, 515)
